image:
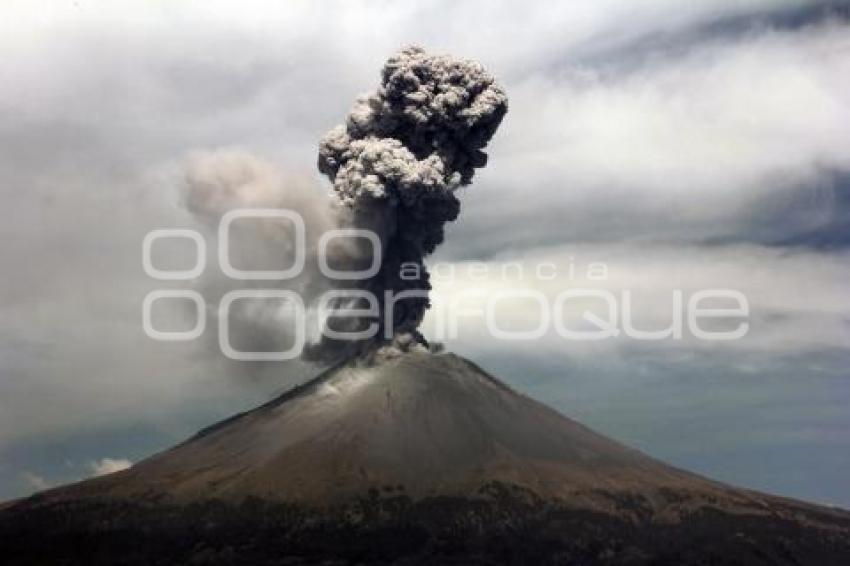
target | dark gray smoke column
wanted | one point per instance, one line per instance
(399, 158)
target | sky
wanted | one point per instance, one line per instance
(685, 146)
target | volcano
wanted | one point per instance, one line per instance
(418, 458)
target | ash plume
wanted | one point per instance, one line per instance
(227, 179)
(396, 164)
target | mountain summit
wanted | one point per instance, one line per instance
(419, 458)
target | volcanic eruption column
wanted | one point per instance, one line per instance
(395, 166)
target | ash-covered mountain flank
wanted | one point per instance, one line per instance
(419, 458)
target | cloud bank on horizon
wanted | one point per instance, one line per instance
(683, 145)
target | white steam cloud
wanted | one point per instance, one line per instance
(109, 466)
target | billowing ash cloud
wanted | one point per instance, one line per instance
(395, 165)
(228, 179)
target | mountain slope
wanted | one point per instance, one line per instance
(437, 425)
(429, 440)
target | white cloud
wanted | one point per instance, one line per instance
(723, 117)
(798, 302)
(730, 138)
(109, 466)
(34, 481)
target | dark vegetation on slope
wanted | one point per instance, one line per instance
(504, 525)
